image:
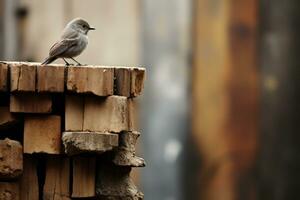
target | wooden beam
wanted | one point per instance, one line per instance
(50, 78)
(30, 103)
(57, 181)
(100, 114)
(122, 81)
(22, 78)
(29, 187)
(42, 134)
(129, 81)
(84, 177)
(106, 114)
(3, 77)
(74, 109)
(91, 79)
(225, 96)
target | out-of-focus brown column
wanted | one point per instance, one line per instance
(225, 97)
(280, 51)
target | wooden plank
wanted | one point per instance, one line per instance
(42, 134)
(3, 77)
(225, 107)
(74, 109)
(129, 81)
(90, 79)
(50, 78)
(22, 77)
(6, 117)
(57, 181)
(98, 114)
(9, 191)
(84, 175)
(122, 81)
(89, 142)
(30, 103)
(133, 114)
(11, 154)
(106, 114)
(29, 187)
(137, 81)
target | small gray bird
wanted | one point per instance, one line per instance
(73, 41)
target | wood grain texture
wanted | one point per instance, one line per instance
(122, 81)
(84, 177)
(4, 77)
(138, 76)
(74, 110)
(50, 78)
(100, 114)
(42, 134)
(106, 114)
(22, 78)
(30, 103)
(29, 187)
(89, 79)
(129, 81)
(57, 181)
(133, 114)
(226, 96)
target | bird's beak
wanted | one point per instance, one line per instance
(92, 28)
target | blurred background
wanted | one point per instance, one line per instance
(219, 117)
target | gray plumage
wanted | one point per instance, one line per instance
(73, 41)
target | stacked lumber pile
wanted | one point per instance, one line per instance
(68, 132)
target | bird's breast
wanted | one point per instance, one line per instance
(81, 43)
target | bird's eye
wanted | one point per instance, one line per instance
(84, 26)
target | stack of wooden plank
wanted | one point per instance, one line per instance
(68, 132)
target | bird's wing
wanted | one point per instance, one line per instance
(68, 39)
(61, 46)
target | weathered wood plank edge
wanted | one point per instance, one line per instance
(133, 90)
(62, 65)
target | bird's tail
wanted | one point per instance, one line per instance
(49, 60)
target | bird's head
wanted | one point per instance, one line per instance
(80, 25)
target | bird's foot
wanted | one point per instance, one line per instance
(69, 64)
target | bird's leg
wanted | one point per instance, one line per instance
(76, 61)
(66, 62)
